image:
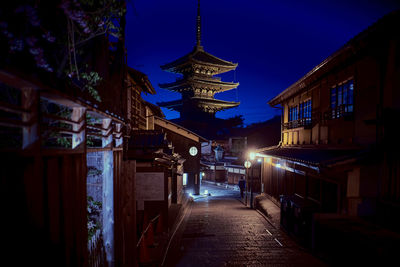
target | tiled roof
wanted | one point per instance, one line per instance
(142, 80)
(199, 56)
(315, 156)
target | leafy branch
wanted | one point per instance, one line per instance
(58, 36)
(92, 79)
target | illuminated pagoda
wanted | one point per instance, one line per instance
(198, 84)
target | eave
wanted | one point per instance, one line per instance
(351, 48)
(215, 102)
(200, 57)
(184, 84)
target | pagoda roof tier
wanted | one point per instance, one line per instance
(210, 103)
(199, 57)
(215, 103)
(195, 82)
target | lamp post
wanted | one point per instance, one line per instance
(247, 165)
(252, 157)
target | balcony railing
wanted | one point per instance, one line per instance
(305, 122)
(345, 111)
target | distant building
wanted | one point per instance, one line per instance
(188, 145)
(197, 107)
(339, 147)
(235, 151)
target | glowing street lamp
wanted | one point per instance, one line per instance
(247, 165)
(252, 156)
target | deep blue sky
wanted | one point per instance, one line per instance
(274, 42)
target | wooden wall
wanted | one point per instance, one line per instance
(43, 202)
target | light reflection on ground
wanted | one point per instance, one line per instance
(216, 191)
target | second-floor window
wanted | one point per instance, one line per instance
(305, 112)
(342, 99)
(300, 115)
(293, 113)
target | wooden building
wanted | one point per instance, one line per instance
(156, 165)
(66, 191)
(339, 152)
(48, 140)
(187, 144)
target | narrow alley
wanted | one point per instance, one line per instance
(219, 230)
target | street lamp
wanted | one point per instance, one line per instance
(252, 156)
(247, 165)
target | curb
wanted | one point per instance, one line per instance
(180, 218)
(266, 218)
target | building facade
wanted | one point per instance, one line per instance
(338, 148)
(188, 145)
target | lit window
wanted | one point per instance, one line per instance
(305, 112)
(293, 114)
(342, 99)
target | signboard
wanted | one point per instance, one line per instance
(193, 151)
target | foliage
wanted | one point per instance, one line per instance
(89, 141)
(92, 80)
(47, 107)
(234, 122)
(94, 209)
(90, 120)
(94, 171)
(59, 35)
(63, 141)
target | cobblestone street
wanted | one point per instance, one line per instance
(218, 230)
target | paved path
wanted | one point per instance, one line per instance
(218, 230)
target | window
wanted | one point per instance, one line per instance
(305, 112)
(299, 116)
(342, 99)
(293, 114)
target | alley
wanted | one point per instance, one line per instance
(218, 230)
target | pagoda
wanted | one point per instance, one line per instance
(197, 85)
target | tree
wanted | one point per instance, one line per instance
(58, 35)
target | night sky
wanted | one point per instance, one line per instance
(274, 42)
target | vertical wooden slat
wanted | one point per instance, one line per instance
(125, 215)
(34, 188)
(53, 199)
(68, 209)
(117, 210)
(81, 202)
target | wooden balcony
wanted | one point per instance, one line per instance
(342, 111)
(304, 123)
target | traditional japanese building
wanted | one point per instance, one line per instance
(198, 84)
(337, 164)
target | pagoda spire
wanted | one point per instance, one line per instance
(198, 30)
(199, 85)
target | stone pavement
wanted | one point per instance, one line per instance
(218, 230)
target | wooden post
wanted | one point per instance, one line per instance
(107, 128)
(125, 211)
(78, 138)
